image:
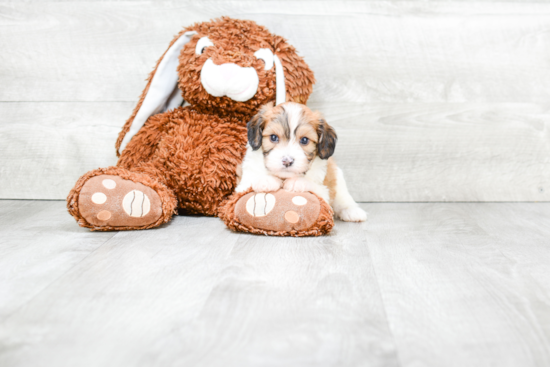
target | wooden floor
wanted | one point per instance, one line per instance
(455, 284)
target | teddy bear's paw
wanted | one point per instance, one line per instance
(108, 200)
(279, 211)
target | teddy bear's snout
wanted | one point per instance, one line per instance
(229, 71)
(229, 79)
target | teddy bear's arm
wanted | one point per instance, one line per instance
(144, 144)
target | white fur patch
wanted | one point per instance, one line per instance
(253, 168)
(343, 204)
(289, 149)
(294, 112)
(238, 83)
(318, 170)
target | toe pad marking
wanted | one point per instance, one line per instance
(101, 203)
(109, 184)
(299, 200)
(284, 218)
(136, 204)
(104, 215)
(99, 198)
(292, 217)
(259, 205)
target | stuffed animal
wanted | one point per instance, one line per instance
(181, 146)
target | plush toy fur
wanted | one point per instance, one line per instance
(189, 155)
(318, 223)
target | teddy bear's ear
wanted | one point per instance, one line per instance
(297, 78)
(280, 93)
(160, 94)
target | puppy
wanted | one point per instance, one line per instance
(291, 146)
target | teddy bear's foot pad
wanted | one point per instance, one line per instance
(279, 211)
(108, 200)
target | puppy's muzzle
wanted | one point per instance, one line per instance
(287, 161)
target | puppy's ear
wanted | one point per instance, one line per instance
(256, 126)
(327, 140)
(255, 130)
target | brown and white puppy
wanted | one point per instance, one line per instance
(291, 146)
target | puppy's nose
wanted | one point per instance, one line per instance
(287, 161)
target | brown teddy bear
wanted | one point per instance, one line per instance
(181, 146)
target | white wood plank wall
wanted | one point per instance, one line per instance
(433, 101)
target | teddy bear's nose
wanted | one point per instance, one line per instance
(228, 71)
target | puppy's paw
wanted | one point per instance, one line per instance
(352, 214)
(241, 188)
(298, 184)
(267, 184)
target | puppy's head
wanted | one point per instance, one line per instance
(291, 136)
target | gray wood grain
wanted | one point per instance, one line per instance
(433, 101)
(383, 51)
(389, 152)
(39, 242)
(46, 147)
(443, 152)
(290, 302)
(465, 284)
(193, 293)
(432, 284)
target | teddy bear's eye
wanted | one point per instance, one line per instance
(274, 138)
(202, 44)
(304, 141)
(266, 55)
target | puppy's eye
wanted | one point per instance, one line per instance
(274, 138)
(304, 141)
(202, 44)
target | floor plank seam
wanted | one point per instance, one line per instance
(57, 279)
(16, 209)
(388, 323)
